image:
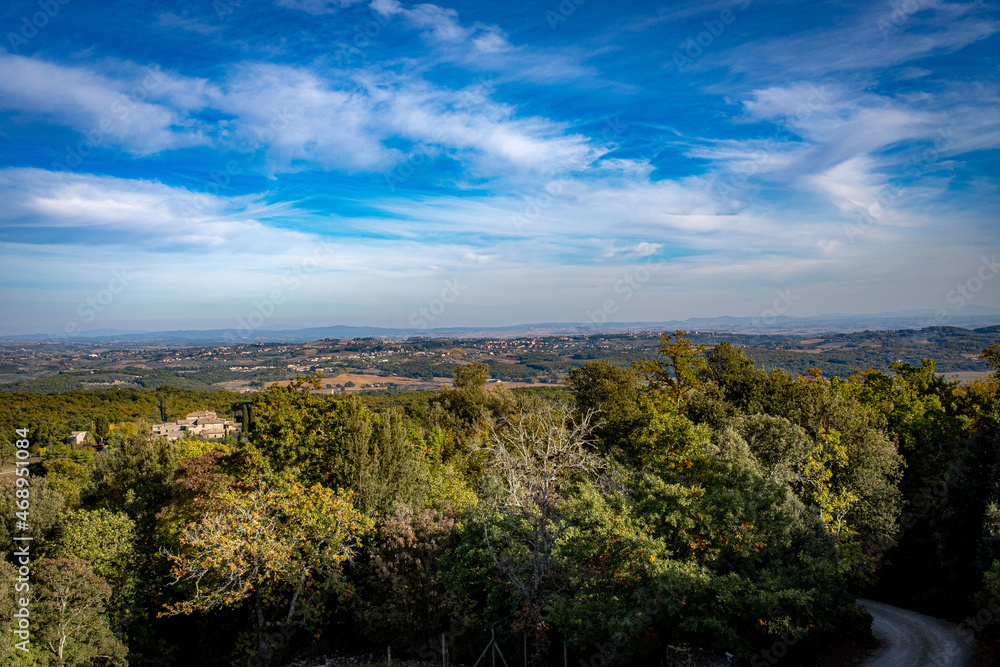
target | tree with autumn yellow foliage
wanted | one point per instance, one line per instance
(673, 378)
(273, 541)
(833, 504)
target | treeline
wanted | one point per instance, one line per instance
(691, 500)
(51, 417)
(131, 378)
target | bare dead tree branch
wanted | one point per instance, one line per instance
(535, 456)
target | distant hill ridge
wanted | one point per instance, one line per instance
(970, 318)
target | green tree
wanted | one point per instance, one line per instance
(341, 444)
(69, 608)
(670, 442)
(463, 408)
(624, 584)
(679, 373)
(779, 447)
(7, 451)
(101, 428)
(47, 507)
(918, 408)
(954, 525)
(471, 376)
(105, 540)
(245, 419)
(612, 394)
(873, 466)
(739, 379)
(68, 476)
(134, 474)
(818, 473)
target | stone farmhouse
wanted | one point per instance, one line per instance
(77, 438)
(203, 424)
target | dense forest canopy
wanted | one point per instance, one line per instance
(692, 498)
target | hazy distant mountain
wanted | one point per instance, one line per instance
(971, 317)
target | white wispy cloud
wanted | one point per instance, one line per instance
(849, 144)
(344, 119)
(869, 39)
(104, 210)
(141, 109)
(839, 133)
(797, 134)
(485, 47)
(441, 25)
(301, 118)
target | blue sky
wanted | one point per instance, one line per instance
(308, 162)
